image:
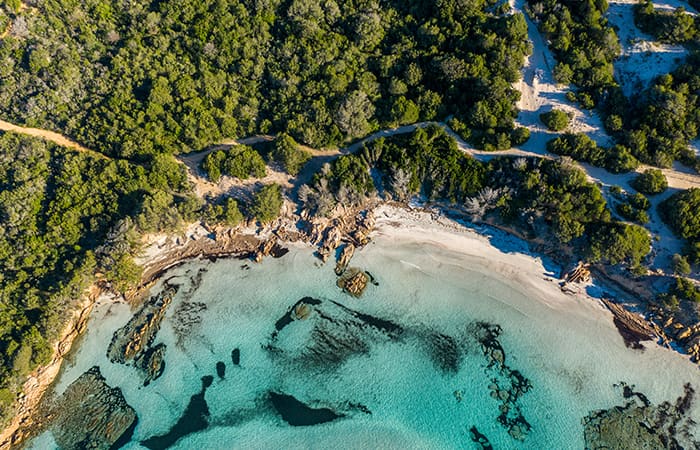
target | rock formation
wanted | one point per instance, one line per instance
(132, 339)
(640, 425)
(90, 414)
(633, 328)
(353, 281)
(344, 258)
(152, 363)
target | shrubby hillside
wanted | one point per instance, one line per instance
(140, 78)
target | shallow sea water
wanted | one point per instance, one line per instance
(422, 385)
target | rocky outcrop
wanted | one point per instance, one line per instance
(632, 327)
(133, 339)
(104, 420)
(269, 247)
(353, 281)
(152, 363)
(344, 259)
(640, 425)
(579, 274)
(26, 416)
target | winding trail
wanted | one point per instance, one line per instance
(52, 136)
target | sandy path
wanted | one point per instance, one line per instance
(52, 136)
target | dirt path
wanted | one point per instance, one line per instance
(52, 136)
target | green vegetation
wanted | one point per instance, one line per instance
(169, 76)
(671, 27)
(651, 181)
(226, 212)
(635, 208)
(580, 147)
(550, 200)
(681, 212)
(287, 152)
(65, 215)
(615, 243)
(238, 161)
(556, 119)
(267, 203)
(680, 265)
(685, 289)
(656, 125)
(581, 40)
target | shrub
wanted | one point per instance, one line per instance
(651, 181)
(556, 119)
(680, 265)
(681, 212)
(616, 243)
(287, 152)
(239, 161)
(520, 135)
(267, 203)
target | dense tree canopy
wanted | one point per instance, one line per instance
(149, 77)
(63, 216)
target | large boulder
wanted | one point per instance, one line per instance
(91, 414)
(353, 281)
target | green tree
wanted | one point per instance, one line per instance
(267, 203)
(680, 265)
(556, 119)
(651, 181)
(287, 152)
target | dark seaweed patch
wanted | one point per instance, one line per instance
(444, 352)
(195, 418)
(236, 356)
(481, 440)
(221, 369)
(298, 414)
(384, 325)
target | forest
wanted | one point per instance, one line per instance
(145, 78)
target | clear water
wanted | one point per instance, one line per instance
(566, 346)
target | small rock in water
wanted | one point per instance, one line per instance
(207, 380)
(221, 369)
(236, 356)
(353, 281)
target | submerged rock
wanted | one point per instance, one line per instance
(152, 363)
(131, 340)
(332, 334)
(507, 384)
(299, 414)
(353, 281)
(479, 439)
(91, 414)
(639, 425)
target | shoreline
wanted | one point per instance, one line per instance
(166, 251)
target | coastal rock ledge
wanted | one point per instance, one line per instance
(105, 420)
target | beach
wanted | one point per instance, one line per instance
(443, 286)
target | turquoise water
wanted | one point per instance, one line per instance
(405, 365)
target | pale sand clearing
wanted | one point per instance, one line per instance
(642, 58)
